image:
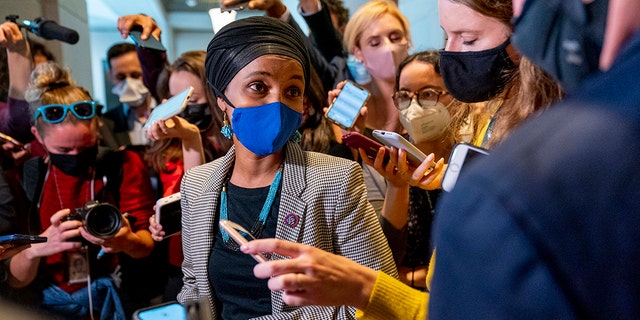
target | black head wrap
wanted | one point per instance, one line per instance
(240, 42)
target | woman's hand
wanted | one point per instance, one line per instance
(58, 235)
(148, 24)
(156, 229)
(312, 276)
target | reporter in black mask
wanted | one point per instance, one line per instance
(63, 269)
(479, 64)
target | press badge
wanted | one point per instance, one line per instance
(77, 266)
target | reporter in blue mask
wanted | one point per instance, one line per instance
(258, 69)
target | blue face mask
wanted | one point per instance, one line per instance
(265, 129)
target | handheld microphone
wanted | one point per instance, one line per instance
(47, 29)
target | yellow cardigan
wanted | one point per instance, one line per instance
(392, 299)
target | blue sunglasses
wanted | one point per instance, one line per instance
(55, 113)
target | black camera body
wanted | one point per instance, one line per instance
(101, 220)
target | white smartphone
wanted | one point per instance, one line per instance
(169, 108)
(345, 108)
(392, 139)
(169, 214)
(461, 155)
(232, 229)
(165, 311)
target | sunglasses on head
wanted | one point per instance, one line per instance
(55, 113)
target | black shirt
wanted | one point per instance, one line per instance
(240, 295)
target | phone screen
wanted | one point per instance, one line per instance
(169, 108)
(170, 218)
(346, 108)
(171, 311)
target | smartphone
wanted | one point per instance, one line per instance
(391, 139)
(169, 108)
(169, 214)
(150, 43)
(7, 138)
(234, 229)
(165, 311)
(358, 140)
(345, 108)
(461, 155)
(18, 240)
(235, 6)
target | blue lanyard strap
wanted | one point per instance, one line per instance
(262, 219)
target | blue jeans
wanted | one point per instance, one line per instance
(75, 305)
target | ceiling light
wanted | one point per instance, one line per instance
(191, 3)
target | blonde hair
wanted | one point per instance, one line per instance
(51, 83)
(365, 15)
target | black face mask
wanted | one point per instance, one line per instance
(75, 164)
(475, 76)
(198, 114)
(563, 37)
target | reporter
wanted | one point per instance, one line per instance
(67, 126)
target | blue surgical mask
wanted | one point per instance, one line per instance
(265, 129)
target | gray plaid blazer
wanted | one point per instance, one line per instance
(326, 193)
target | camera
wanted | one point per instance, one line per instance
(101, 220)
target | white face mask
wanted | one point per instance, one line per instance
(382, 63)
(425, 124)
(131, 91)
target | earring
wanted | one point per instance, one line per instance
(226, 130)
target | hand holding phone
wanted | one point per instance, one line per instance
(169, 214)
(357, 140)
(346, 107)
(391, 139)
(234, 229)
(151, 43)
(7, 138)
(461, 155)
(169, 108)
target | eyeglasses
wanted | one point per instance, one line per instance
(55, 113)
(426, 97)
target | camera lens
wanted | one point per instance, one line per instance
(103, 221)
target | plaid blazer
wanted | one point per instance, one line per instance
(326, 193)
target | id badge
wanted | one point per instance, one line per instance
(78, 266)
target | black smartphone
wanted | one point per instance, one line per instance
(345, 108)
(169, 214)
(461, 155)
(150, 43)
(357, 140)
(21, 239)
(165, 311)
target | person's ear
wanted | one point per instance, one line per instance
(36, 134)
(358, 54)
(222, 104)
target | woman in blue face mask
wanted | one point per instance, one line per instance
(258, 69)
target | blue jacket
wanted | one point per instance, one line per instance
(547, 225)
